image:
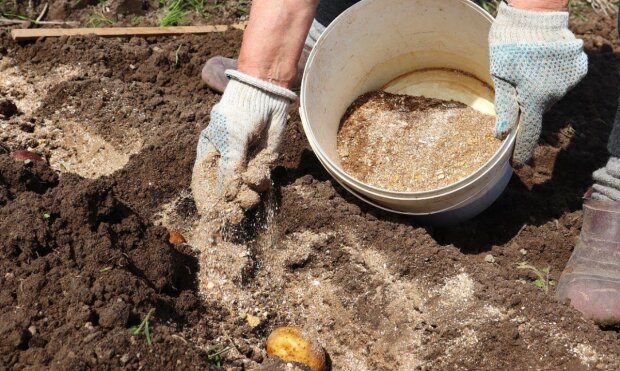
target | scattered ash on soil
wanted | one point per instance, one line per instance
(410, 144)
(378, 291)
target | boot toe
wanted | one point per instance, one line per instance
(213, 72)
(597, 298)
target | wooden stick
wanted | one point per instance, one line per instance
(29, 34)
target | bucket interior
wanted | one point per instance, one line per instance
(435, 48)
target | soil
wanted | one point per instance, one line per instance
(118, 13)
(85, 252)
(408, 144)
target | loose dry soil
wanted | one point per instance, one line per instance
(84, 252)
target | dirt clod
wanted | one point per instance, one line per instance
(7, 108)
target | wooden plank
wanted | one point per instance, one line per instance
(35, 33)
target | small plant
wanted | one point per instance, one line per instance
(197, 5)
(175, 15)
(20, 17)
(215, 355)
(136, 20)
(106, 269)
(543, 282)
(98, 19)
(143, 328)
(47, 216)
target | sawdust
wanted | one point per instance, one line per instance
(410, 144)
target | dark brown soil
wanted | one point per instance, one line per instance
(83, 261)
(117, 13)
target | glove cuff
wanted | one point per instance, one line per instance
(262, 85)
(607, 181)
(515, 26)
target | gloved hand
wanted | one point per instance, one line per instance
(535, 61)
(238, 147)
(607, 181)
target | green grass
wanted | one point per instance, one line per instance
(144, 328)
(20, 17)
(136, 20)
(176, 11)
(175, 14)
(215, 355)
(197, 6)
(98, 19)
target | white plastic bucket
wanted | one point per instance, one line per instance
(373, 43)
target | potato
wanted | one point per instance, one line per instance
(291, 345)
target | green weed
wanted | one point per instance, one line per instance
(143, 328)
(175, 14)
(98, 19)
(543, 282)
(20, 17)
(197, 5)
(136, 20)
(215, 355)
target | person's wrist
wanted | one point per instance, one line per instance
(268, 74)
(540, 5)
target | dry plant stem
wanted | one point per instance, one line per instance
(42, 14)
(409, 144)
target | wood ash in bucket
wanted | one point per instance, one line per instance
(413, 144)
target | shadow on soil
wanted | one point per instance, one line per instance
(578, 125)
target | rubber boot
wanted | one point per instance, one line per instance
(213, 72)
(591, 279)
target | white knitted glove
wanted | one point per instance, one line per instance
(607, 181)
(535, 61)
(250, 117)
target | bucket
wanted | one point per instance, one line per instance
(435, 48)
